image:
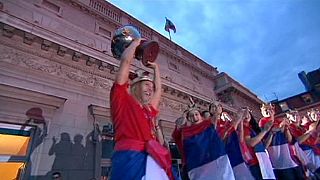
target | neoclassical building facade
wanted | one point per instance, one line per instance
(56, 71)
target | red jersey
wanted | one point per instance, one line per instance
(131, 120)
(263, 121)
(248, 151)
(299, 131)
(134, 125)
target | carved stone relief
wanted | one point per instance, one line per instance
(172, 104)
(50, 67)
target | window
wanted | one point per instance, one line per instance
(51, 6)
(15, 143)
(102, 30)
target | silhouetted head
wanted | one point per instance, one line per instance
(78, 138)
(65, 136)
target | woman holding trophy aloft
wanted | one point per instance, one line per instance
(138, 153)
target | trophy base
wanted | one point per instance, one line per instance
(147, 51)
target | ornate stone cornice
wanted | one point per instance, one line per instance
(94, 58)
(63, 62)
(230, 85)
(116, 16)
(105, 11)
(52, 65)
(31, 96)
(100, 111)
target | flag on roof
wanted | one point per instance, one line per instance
(169, 25)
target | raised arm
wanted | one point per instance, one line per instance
(255, 140)
(159, 133)
(155, 100)
(288, 134)
(241, 131)
(307, 134)
(268, 140)
(125, 61)
(233, 126)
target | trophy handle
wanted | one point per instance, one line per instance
(147, 51)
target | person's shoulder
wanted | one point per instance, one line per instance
(263, 121)
(119, 88)
(117, 85)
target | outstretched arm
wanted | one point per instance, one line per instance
(157, 85)
(125, 61)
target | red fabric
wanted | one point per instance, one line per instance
(263, 121)
(130, 119)
(130, 144)
(185, 132)
(311, 141)
(160, 155)
(177, 136)
(133, 125)
(195, 129)
(248, 151)
(296, 131)
(224, 128)
(306, 126)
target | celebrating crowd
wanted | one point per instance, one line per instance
(216, 146)
(213, 144)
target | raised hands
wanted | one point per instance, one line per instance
(152, 65)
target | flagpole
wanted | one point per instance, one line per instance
(169, 35)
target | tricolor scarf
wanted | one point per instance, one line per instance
(205, 154)
(240, 168)
(262, 156)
